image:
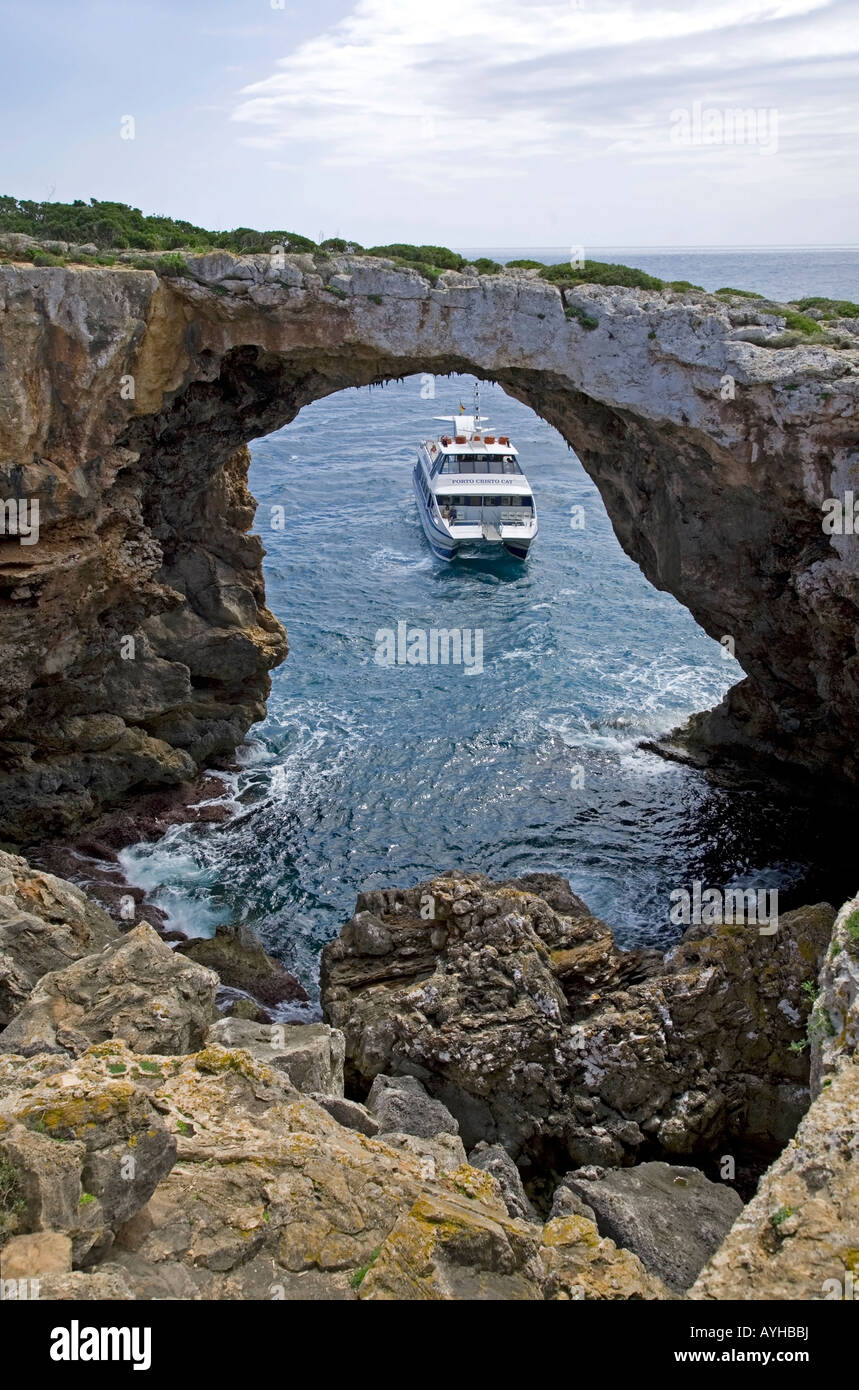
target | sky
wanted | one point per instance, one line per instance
(470, 123)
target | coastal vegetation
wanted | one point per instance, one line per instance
(105, 233)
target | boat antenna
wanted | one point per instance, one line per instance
(476, 403)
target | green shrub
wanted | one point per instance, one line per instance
(600, 273)
(486, 266)
(526, 265)
(801, 323)
(586, 320)
(744, 294)
(174, 264)
(830, 308)
(119, 227)
(337, 243)
(438, 256)
(683, 285)
(46, 258)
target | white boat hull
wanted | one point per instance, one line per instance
(471, 542)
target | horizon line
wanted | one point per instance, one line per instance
(666, 246)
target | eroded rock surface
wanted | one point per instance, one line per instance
(45, 923)
(670, 1215)
(799, 1236)
(539, 1034)
(211, 1174)
(134, 635)
(134, 988)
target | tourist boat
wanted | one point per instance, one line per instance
(473, 498)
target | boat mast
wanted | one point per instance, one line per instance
(476, 404)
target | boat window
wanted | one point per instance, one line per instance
(485, 464)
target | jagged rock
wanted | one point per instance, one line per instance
(401, 1103)
(45, 923)
(497, 1161)
(798, 1238)
(105, 1283)
(145, 509)
(269, 1197)
(209, 1176)
(245, 1008)
(450, 1247)
(672, 1217)
(532, 1028)
(310, 1054)
(237, 956)
(93, 1132)
(29, 1257)
(833, 1028)
(135, 988)
(349, 1113)
(49, 1177)
(581, 1265)
(566, 1203)
(445, 1153)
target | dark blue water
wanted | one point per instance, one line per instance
(366, 775)
(782, 274)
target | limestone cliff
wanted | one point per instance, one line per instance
(134, 636)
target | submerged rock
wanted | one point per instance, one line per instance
(237, 955)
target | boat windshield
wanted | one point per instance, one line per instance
(482, 464)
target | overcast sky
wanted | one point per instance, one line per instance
(467, 122)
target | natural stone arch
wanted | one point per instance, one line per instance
(146, 510)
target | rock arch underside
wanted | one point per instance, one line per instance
(713, 454)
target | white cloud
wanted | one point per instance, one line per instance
(465, 93)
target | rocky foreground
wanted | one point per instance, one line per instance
(150, 1148)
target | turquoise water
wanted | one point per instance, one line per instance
(364, 775)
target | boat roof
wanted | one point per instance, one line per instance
(474, 441)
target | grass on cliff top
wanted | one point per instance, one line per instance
(112, 227)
